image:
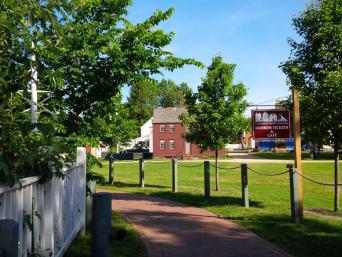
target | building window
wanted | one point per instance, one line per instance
(172, 127)
(162, 128)
(172, 144)
(162, 144)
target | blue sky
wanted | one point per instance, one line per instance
(250, 33)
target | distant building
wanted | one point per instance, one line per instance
(167, 137)
(145, 136)
(97, 151)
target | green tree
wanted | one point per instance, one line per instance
(24, 152)
(215, 113)
(101, 51)
(171, 95)
(311, 134)
(111, 125)
(315, 68)
(85, 52)
(147, 94)
(142, 100)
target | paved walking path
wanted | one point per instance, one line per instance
(171, 229)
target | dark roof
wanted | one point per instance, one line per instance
(167, 115)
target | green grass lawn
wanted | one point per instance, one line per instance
(269, 214)
(131, 246)
(290, 155)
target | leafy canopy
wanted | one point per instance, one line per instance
(101, 51)
(143, 98)
(171, 94)
(215, 113)
(147, 94)
(23, 152)
(315, 68)
(85, 51)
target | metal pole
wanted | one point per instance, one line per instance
(298, 149)
(9, 238)
(244, 185)
(141, 172)
(207, 180)
(174, 176)
(101, 225)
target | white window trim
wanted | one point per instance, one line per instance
(160, 144)
(162, 126)
(173, 126)
(174, 144)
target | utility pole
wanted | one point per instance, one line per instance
(298, 149)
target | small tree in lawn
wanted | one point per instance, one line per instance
(215, 113)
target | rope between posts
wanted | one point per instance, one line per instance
(317, 182)
(190, 166)
(269, 175)
(222, 168)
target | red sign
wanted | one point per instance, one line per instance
(271, 124)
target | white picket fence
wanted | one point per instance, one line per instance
(56, 208)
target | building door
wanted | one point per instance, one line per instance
(187, 148)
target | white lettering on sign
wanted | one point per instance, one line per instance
(263, 127)
(280, 127)
(271, 134)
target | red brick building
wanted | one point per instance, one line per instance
(168, 138)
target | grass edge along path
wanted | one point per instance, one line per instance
(269, 214)
(131, 246)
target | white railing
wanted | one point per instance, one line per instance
(49, 215)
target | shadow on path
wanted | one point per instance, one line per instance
(199, 201)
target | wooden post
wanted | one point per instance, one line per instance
(207, 180)
(298, 149)
(244, 185)
(174, 176)
(294, 194)
(111, 170)
(337, 177)
(9, 238)
(101, 225)
(141, 173)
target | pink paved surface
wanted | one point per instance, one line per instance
(171, 229)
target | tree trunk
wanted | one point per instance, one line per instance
(216, 171)
(319, 146)
(337, 175)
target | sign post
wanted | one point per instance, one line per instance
(298, 148)
(275, 124)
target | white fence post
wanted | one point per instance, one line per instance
(48, 220)
(82, 160)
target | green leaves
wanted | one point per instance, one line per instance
(314, 68)
(215, 113)
(85, 52)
